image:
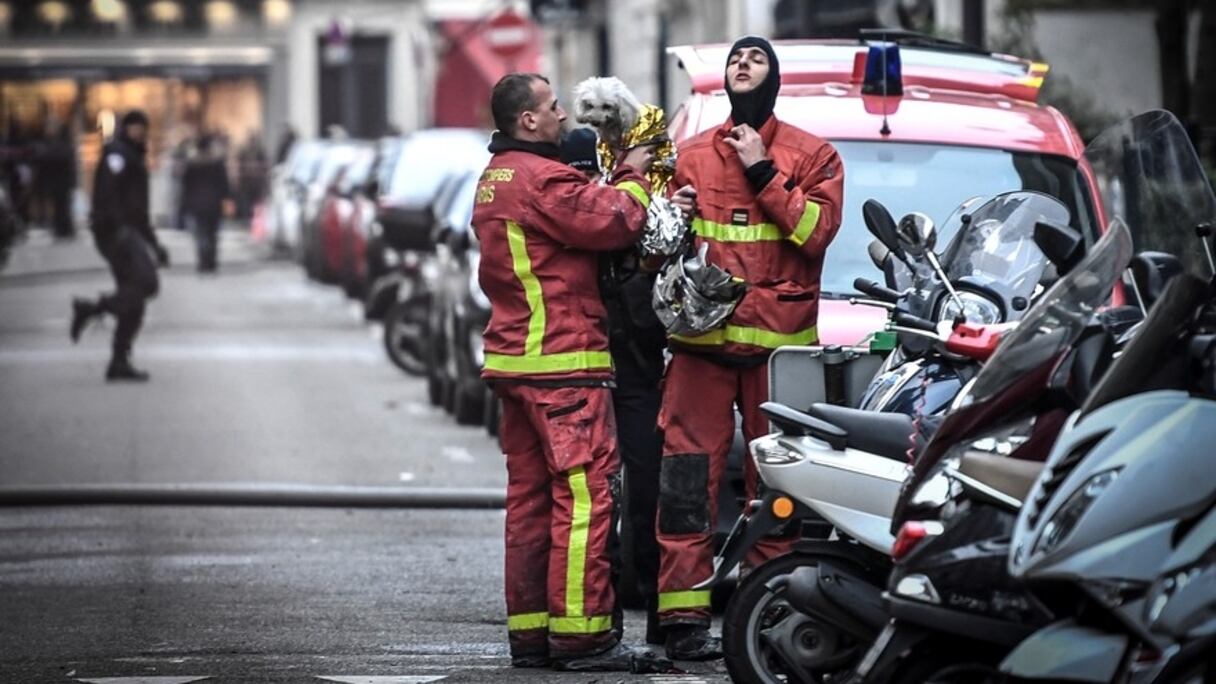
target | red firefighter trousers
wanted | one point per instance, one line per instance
(698, 425)
(562, 480)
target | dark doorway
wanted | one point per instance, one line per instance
(354, 85)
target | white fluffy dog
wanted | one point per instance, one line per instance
(606, 105)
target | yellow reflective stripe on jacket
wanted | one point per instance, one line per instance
(525, 621)
(635, 189)
(675, 600)
(722, 232)
(566, 362)
(757, 337)
(806, 224)
(533, 359)
(576, 550)
(536, 300)
(580, 625)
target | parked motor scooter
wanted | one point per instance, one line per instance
(956, 610)
(846, 466)
(1119, 527)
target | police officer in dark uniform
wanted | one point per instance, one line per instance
(122, 231)
(636, 340)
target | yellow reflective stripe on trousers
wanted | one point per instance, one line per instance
(675, 600)
(536, 300)
(757, 337)
(806, 224)
(526, 621)
(580, 625)
(638, 192)
(756, 232)
(576, 550)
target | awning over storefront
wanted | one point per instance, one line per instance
(103, 61)
(477, 54)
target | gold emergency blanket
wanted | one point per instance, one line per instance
(650, 128)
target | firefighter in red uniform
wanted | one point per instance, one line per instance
(765, 197)
(541, 225)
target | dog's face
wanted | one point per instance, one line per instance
(605, 103)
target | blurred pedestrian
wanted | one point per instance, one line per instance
(58, 170)
(541, 224)
(251, 175)
(205, 190)
(124, 236)
(636, 339)
(286, 141)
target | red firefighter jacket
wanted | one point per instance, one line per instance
(541, 225)
(774, 238)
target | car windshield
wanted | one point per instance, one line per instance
(359, 170)
(427, 158)
(334, 160)
(934, 180)
(460, 210)
(305, 159)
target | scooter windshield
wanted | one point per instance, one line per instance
(995, 246)
(1148, 175)
(1059, 316)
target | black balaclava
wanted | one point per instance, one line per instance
(755, 107)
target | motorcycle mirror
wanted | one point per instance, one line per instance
(879, 254)
(1151, 272)
(1061, 244)
(882, 226)
(917, 234)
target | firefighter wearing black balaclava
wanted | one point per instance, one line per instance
(122, 231)
(766, 199)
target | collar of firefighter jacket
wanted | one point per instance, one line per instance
(767, 133)
(501, 142)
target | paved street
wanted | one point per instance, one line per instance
(258, 376)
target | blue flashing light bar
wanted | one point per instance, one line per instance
(883, 76)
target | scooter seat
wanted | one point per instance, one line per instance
(882, 434)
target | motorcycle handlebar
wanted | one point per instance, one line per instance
(875, 290)
(915, 322)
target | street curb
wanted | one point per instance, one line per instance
(276, 495)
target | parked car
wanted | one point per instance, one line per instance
(956, 122)
(289, 181)
(335, 158)
(459, 308)
(366, 257)
(338, 212)
(405, 218)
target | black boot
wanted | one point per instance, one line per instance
(83, 310)
(121, 370)
(692, 643)
(530, 661)
(619, 658)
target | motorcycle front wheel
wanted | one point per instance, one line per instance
(765, 640)
(405, 328)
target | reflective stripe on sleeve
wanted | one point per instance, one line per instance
(757, 337)
(635, 189)
(806, 224)
(675, 600)
(526, 621)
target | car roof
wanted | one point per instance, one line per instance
(950, 96)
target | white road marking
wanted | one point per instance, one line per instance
(417, 408)
(457, 454)
(407, 679)
(678, 679)
(406, 477)
(143, 680)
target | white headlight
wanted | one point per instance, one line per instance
(976, 309)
